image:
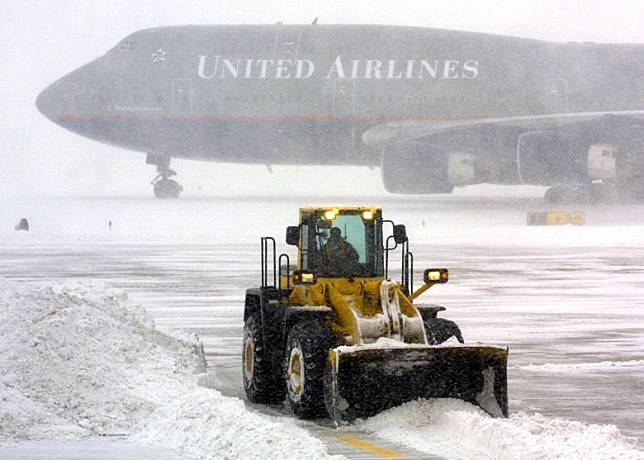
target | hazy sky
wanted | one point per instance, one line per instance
(42, 40)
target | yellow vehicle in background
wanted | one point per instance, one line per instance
(335, 336)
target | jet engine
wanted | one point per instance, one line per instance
(628, 168)
(414, 167)
(551, 157)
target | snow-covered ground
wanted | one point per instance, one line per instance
(568, 301)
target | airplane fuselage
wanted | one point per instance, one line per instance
(305, 94)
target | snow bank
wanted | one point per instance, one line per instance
(458, 430)
(80, 360)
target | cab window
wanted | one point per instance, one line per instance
(344, 246)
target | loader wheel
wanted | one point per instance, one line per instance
(306, 356)
(262, 380)
(440, 329)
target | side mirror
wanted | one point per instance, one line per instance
(304, 277)
(293, 235)
(400, 234)
(436, 276)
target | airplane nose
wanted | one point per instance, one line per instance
(61, 100)
(74, 97)
(48, 101)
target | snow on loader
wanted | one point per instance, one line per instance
(337, 337)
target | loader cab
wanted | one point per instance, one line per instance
(341, 243)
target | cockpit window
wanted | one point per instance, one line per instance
(127, 45)
(124, 45)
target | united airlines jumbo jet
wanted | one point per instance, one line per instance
(434, 109)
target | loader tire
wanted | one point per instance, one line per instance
(262, 379)
(305, 365)
(440, 329)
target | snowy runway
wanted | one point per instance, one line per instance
(568, 301)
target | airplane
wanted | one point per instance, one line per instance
(434, 109)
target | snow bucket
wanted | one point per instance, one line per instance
(363, 381)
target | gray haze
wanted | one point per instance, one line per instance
(41, 41)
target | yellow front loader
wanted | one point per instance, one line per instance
(337, 337)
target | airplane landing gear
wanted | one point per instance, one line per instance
(589, 193)
(164, 187)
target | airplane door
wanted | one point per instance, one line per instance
(182, 95)
(344, 100)
(557, 96)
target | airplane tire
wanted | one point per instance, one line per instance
(568, 194)
(262, 381)
(438, 330)
(167, 189)
(602, 193)
(594, 193)
(305, 358)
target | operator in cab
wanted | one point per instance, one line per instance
(338, 255)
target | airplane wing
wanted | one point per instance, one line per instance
(394, 131)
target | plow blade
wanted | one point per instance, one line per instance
(362, 382)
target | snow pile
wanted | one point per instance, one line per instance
(458, 430)
(80, 360)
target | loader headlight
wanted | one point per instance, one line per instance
(330, 214)
(436, 275)
(367, 215)
(304, 277)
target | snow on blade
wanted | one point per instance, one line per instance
(79, 361)
(386, 342)
(458, 430)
